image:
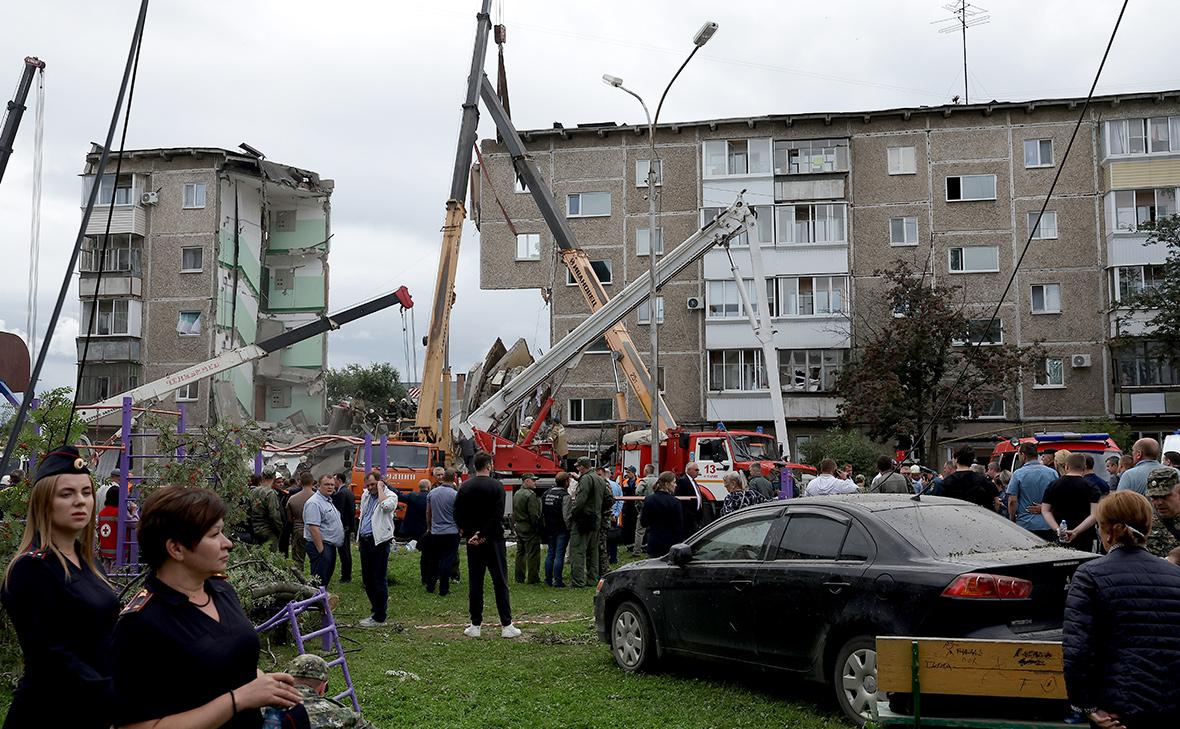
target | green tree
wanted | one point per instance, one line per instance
(45, 426)
(843, 446)
(1116, 429)
(910, 380)
(1151, 309)
(377, 385)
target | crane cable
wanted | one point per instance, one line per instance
(106, 238)
(35, 225)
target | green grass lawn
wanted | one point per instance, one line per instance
(555, 675)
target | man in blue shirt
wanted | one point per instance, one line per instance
(323, 529)
(1026, 488)
(1146, 453)
(442, 534)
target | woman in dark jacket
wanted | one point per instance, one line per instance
(1122, 626)
(662, 516)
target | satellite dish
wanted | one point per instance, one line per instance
(14, 362)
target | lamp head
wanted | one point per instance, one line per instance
(612, 80)
(704, 34)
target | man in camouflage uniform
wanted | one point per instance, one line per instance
(319, 712)
(266, 520)
(586, 525)
(1163, 488)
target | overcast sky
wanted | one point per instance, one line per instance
(369, 93)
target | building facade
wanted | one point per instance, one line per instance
(954, 190)
(209, 250)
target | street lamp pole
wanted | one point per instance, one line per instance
(653, 233)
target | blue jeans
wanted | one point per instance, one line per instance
(555, 559)
(323, 564)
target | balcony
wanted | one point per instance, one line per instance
(113, 284)
(103, 349)
(124, 219)
(755, 406)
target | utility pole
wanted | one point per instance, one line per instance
(963, 16)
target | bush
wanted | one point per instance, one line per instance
(844, 446)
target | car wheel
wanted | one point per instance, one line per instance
(632, 640)
(855, 678)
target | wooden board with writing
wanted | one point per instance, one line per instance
(969, 667)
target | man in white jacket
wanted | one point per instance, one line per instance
(828, 483)
(375, 536)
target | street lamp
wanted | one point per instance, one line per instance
(698, 41)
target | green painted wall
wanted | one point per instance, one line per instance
(308, 232)
(306, 295)
(309, 353)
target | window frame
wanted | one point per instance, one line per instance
(757, 367)
(1044, 298)
(200, 251)
(185, 393)
(640, 310)
(1041, 163)
(1036, 225)
(196, 321)
(1043, 371)
(769, 518)
(728, 157)
(112, 316)
(904, 220)
(971, 342)
(582, 401)
(570, 196)
(528, 237)
(963, 260)
(195, 187)
(960, 178)
(900, 167)
(660, 249)
(610, 269)
(641, 179)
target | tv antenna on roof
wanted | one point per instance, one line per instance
(964, 15)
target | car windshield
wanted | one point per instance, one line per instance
(949, 530)
(408, 456)
(754, 448)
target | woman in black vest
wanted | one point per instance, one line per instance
(663, 516)
(61, 604)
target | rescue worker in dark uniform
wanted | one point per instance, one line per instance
(183, 646)
(61, 605)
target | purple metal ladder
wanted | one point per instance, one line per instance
(290, 614)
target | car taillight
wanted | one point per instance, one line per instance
(975, 585)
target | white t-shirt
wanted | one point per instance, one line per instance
(826, 484)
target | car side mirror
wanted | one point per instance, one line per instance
(680, 554)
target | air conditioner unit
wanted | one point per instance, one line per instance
(695, 303)
(149, 198)
(1079, 360)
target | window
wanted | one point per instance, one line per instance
(724, 301)
(188, 323)
(975, 259)
(741, 541)
(191, 259)
(642, 243)
(983, 331)
(970, 187)
(1046, 298)
(1130, 280)
(810, 370)
(644, 311)
(520, 186)
(122, 255)
(1038, 153)
(811, 536)
(123, 192)
(902, 161)
(591, 409)
(598, 346)
(1156, 135)
(736, 369)
(602, 269)
(793, 157)
(111, 319)
(811, 295)
(1134, 208)
(1050, 372)
(858, 545)
(587, 204)
(810, 223)
(1046, 229)
(737, 157)
(992, 408)
(1144, 364)
(528, 246)
(764, 227)
(641, 171)
(188, 393)
(194, 195)
(660, 378)
(903, 231)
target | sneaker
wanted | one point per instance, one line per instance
(471, 631)
(369, 622)
(510, 631)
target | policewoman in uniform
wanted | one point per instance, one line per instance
(61, 604)
(186, 655)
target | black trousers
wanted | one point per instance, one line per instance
(345, 556)
(374, 568)
(492, 558)
(436, 569)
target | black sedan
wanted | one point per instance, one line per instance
(806, 586)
